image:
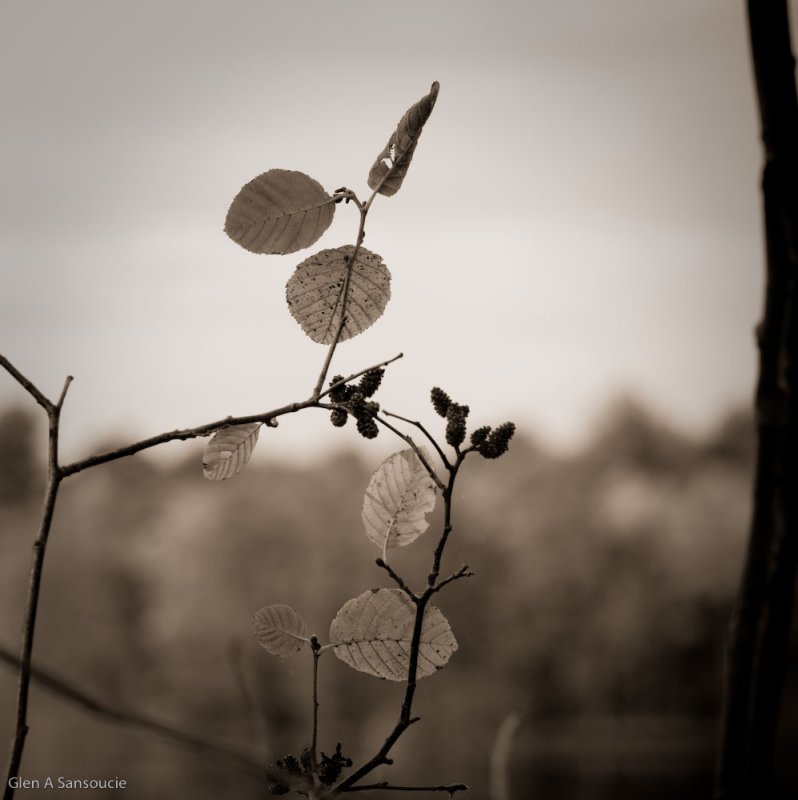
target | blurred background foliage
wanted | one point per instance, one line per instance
(605, 579)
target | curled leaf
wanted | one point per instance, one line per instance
(399, 496)
(373, 633)
(389, 170)
(229, 450)
(280, 630)
(315, 293)
(280, 211)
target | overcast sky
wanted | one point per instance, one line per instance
(581, 219)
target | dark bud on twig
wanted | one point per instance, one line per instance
(480, 435)
(370, 382)
(338, 417)
(342, 393)
(497, 443)
(440, 401)
(456, 424)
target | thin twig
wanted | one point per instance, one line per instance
(416, 449)
(316, 649)
(54, 477)
(354, 375)
(426, 433)
(463, 572)
(69, 692)
(361, 234)
(398, 578)
(27, 384)
(268, 418)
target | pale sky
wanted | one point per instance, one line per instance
(581, 219)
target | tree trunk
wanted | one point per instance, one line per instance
(760, 628)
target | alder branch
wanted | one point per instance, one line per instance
(463, 572)
(426, 433)
(397, 578)
(416, 449)
(201, 747)
(54, 477)
(405, 719)
(28, 385)
(268, 418)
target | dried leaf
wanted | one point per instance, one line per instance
(315, 293)
(389, 170)
(280, 630)
(229, 450)
(280, 211)
(373, 633)
(398, 497)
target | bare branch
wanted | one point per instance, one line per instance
(130, 719)
(354, 375)
(398, 578)
(416, 449)
(268, 418)
(27, 385)
(463, 572)
(426, 433)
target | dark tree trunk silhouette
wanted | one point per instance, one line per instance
(760, 629)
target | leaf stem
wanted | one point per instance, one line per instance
(316, 648)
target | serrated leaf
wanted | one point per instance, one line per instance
(389, 170)
(280, 630)
(398, 497)
(229, 450)
(315, 293)
(280, 211)
(373, 633)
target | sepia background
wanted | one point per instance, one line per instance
(576, 248)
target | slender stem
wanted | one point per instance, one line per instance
(398, 578)
(316, 649)
(361, 234)
(426, 433)
(354, 375)
(463, 572)
(416, 449)
(54, 477)
(26, 384)
(71, 693)
(405, 719)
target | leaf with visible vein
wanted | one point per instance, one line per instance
(315, 293)
(373, 633)
(280, 211)
(280, 630)
(399, 496)
(229, 450)
(389, 170)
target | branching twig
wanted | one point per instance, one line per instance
(200, 746)
(54, 477)
(354, 375)
(416, 449)
(426, 433)
(398, 578)
(463, 572)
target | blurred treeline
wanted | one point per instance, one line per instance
(604, 584)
